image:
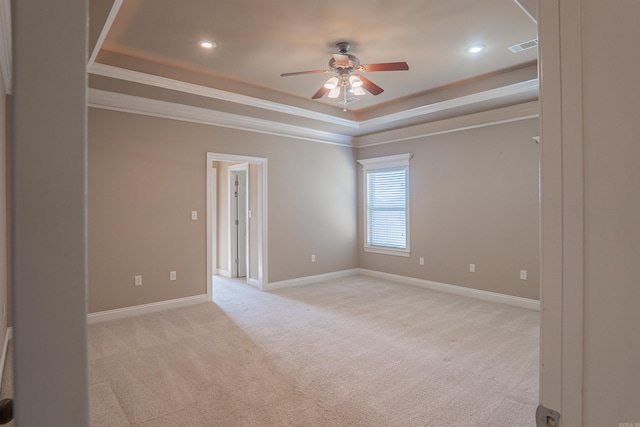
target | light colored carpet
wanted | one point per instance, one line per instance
(349, 352)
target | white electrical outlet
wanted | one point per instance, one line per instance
(313, 258)
(523, 274)
(137, 280)
(172, 275)
(421, 261)
(472, 268)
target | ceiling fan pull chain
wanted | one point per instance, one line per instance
(344, 97)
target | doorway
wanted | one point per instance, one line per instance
(249, 244)
(238, 220)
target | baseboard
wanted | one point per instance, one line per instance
(427, 284)
(223, 273)
(309, 280)
(253, 282)
(454, 289)
(8, 336)
(103, 316)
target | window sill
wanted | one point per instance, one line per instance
(388, 251)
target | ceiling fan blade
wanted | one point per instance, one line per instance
(341, 60)
(320, 93)
(370, 86)
(387, 66)
(298, 73)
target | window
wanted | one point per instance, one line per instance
(386, 204)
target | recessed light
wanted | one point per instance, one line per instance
(476, 48)
(207, 44)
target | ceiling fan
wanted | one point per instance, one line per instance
(347, 68)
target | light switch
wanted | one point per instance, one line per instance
(194, 215)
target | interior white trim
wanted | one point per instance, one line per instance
(105, 30)
(8, 336)
(529, 7)
(389, 251)
(163, 82)
(427, 284)
(223, 273)
(212, 232)
(166, 83)
(6, 60)
(474, 98)
(454, 289)
(138, 105)
(309, 280)
(386, 161)
(169, 110)
(137, 310)
(497, 116)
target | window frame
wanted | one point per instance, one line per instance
(379, 164)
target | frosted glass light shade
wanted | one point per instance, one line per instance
(355, 81)
(332, 83)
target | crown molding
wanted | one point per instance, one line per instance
(6, 60)
(529, 7)
(487, 95)
(513, 113)
(166, 83)
(105, 30)
(169, 110)
(364, 126)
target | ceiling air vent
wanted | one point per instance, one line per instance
(523, 46)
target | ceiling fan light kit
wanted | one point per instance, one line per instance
(346, 67)
(332, 83)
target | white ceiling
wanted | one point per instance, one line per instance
(257, 40)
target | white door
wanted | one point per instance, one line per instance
(241, 222)
(238, 220)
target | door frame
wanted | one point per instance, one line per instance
(561, 209)
(261, 219)
(233, 266)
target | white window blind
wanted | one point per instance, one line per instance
(386, 204)
(387, 208)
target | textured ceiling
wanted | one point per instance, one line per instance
(258, 40)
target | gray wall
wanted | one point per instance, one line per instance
(474, 199)
(49, 216)
(147, 174)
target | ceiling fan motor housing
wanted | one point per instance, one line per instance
(353, 63)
